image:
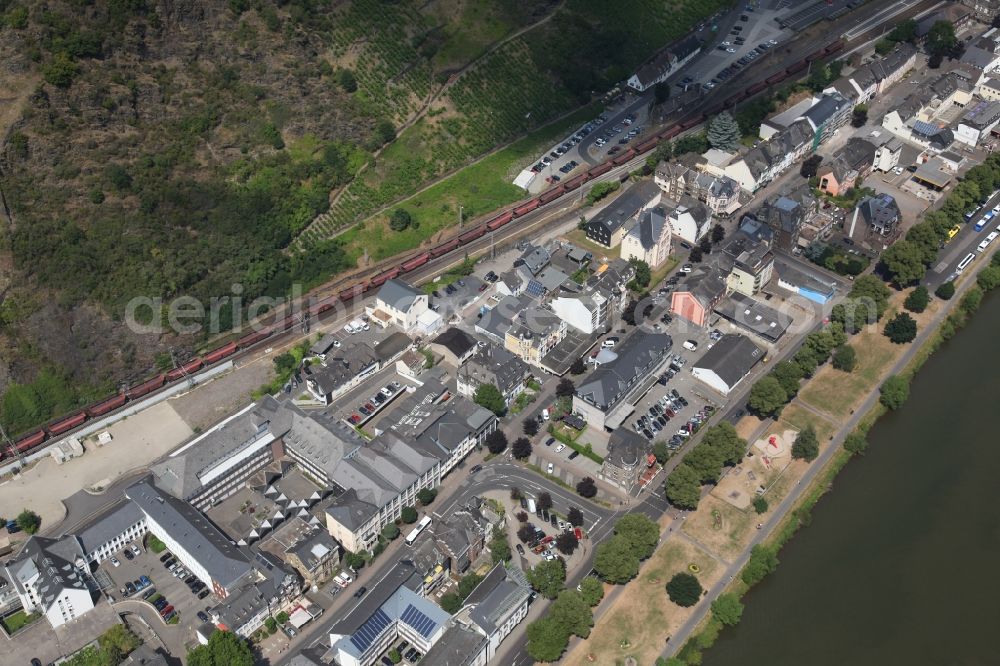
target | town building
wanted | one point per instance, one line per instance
(978, 122)
(533, 333)
(534, 258)
(664, 64)
(400, 304)
(850, 165)
(880, 214)
(763, 163)
(588, 313)
(749, 254)
(121, 526)
(311, 551)
(690, 220)
(719, 193)
(826, 116)
(343, 369)
(454, 346)
(609, 226)
(887, 155)
(626, 460)
(270, 588)
(649, 239)
(52, 577)
(496, 366)
(756, 318)
(495, 608)
(785, 215)
(696, 296)
(984, 10)
(725, 365)
(604, 390)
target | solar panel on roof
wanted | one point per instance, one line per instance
(422, 624)
(925, 128)
(535, 288)
(370, 630)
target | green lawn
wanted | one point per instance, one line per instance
(480, 189)
(17, 620)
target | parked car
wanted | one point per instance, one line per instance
(560, 447)
(203, 594)
(115, 561)
(135, 549)
(165, 557)
(128, 554)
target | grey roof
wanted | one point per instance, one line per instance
(886, 66)
(754, 316)
(982, 115)
(857, 153)
(552, 278)
(237, 609)
(626, 206)
(625, 448)
(977, 57)
(392, 345)
(341, 366)
(497, 366)
(323, 345)
(180, 473)
(455, 340)
(731, 358)
(351, 511)
(144, 655)
(535, 258)
(110, 525)
(879, 211)
(706, 284)
(307, 658)
(651, 72)
(398, 294)
(636, 357)
(224, 562)
(783, 213)
(828, 106)
(458, 646)
(649, 227)
(750, 250)
(60, 564)
(494, 598)
(313, 548)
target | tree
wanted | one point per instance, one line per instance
(683, 487)
(601, 190)
(60, 71)
(400, 219)
(500, 548)
(789, 375)
(767, 396)
(574, 517)
(724, 132)
(763, 561)
(496, 442)
(426, 496)
(760, 505)
(642, 533)
(355, 561)
(905, 31)
(384, 132)
(696, 255)
(844, 358)
(521, 448)
(572, 613)
(989, 278)
(810, 166)
(941, 40)
(224, 649)
(28, 521)
(642, 274)
(859, 116)
(515, 493)
(525, 533)
(408, 515)
(592, 590)
(281, 617)
(451, 603)
(547, 578)
(661, 451)
(586, 487)
(917, 300)
(727, 609)
(546, 640)
(806, 446)
(706, 461)
(530, 427)
(684, 590)
(705, 245)
(904, 262)
(271, 624)
(565, 388)
(691, 143)
(468, 584)
(579, 367)
(345, 78)
(894, 392)
(390, 531)
(718, 233)
(544, 501)
(566, 543)
(855, 443)
(489, 397)
(661, 92)
(615, 562)
(901, 329)
(394, 656)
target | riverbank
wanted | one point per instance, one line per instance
(950, 316)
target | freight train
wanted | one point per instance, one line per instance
(28, 442)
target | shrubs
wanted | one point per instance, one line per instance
(894, 392)
(945, 290)
(806, 446)
(601, 190)
(763, 561)
(586, 487)
(844, 358)
(917, 300)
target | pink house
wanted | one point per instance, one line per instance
(700, 293)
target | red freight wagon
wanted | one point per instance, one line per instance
(68, 423)
(149, 385)
(105, 406)
(416, 262)
(185, 369)
(220, 353)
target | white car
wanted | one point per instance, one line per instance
(731, 50)
(115, 561)
(135, 549)
(551, 467)
(726, 44)
(898, 171)
(686, 268)
(559, 448)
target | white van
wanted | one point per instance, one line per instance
(690, 345)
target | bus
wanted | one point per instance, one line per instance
(983, 221)
(962, 265)
(989, 239)
(421, 526)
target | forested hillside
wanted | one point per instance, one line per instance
(159, 148)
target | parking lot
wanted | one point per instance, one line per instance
(162, 584)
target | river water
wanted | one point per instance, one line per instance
(899, 565)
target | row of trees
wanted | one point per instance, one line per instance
(720, 446)
(615, 561)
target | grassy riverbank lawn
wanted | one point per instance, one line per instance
(643, 613)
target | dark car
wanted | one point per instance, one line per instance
(554, 520)
(361, 592)
(130, 588)
(386, 661)
(128, 554)
(475, 469)
(574, 454)
(520, 549)
(203, 594)
(550, 441)
(160, 603)
(35, 662)
(203, 616)
(148, 593)
(165, 557)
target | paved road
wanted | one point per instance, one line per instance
(815, 468)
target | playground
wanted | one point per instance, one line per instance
(768, 458)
